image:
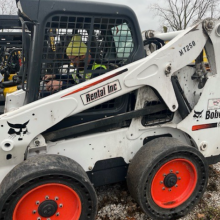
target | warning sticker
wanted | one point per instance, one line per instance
(213, 104)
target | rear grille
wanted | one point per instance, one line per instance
(161, 117)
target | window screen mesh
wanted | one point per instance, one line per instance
(79, 48)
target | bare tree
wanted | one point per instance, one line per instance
(8, 7)
(178, 14)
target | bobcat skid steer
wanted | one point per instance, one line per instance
(97, 110)
(10, 54)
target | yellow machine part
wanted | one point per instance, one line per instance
(205, 60)
(10, 89)
(11, 76)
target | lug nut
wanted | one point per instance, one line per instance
(177, 172)
(171, 171)
(161, 182)
(34, 211)
(56, 198)
(39, 218)
(57, 214)
(170, 190)
(61, 205)
(176, 185)
(37, 203)
(46, 197)
(179, 178)
(164, 174)
(163, 188)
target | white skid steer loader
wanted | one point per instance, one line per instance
(94, 109)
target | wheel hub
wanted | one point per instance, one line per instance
(174, 183)
(170, 180)
(49, 201)
(47, 208)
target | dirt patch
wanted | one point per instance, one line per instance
(115, 197)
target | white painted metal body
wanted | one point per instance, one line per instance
(167, 36)
(143, 74)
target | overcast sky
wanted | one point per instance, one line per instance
(147, 19)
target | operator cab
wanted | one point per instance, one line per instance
(108, 36)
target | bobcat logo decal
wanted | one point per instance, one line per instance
(197, 114)
(18, 130)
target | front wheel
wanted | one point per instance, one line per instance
(47, 187)
(167, 178)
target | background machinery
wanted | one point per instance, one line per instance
(10, 55)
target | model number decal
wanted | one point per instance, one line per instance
(187, 48)
(100, 92)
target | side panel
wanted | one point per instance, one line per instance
(87, 150)
(202, 124)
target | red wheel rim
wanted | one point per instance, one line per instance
(184, 179)
(68, 203)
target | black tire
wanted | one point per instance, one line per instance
(145, 176)
(48, 171)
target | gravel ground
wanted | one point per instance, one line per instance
(115, 203)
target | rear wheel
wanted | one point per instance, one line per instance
(167, 178)
(47, 187)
